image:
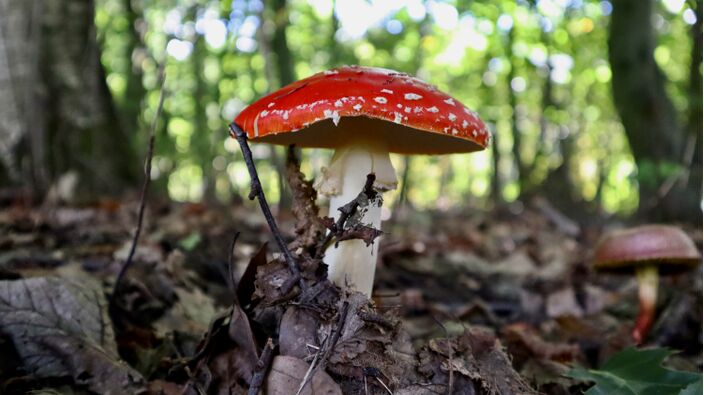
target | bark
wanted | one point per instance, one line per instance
(131, 105)
(279, 44)
(656, 138)
(279, 72)
(403, 202)
(203, 141)
(333, 46)
(521, 168)
(60, 114)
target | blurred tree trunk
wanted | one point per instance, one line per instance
(333, 46)
(658, 142)
(203, 136)
(402, 203)
(521, 168)
(56, 112)
(131, 105)
(277, 57)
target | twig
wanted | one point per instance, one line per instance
(261, 368)
(451, 376)
(329, 345)
(375, 318)
(257, 191)
(335, 336)
(145, 187)
(346, 212)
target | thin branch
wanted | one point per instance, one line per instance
(257, 191)
(261, 368)
(327, 349)
(346, 212)
(145, 187)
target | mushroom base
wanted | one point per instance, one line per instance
(647, 277)
(353, 263)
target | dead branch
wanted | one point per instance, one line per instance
(261, 368)
(337, 228)
(257, 191)
(145, 188)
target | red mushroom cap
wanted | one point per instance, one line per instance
(666, 246)
(348, 103)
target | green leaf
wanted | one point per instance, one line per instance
(696, 388)
(191, 241)
(638, 372)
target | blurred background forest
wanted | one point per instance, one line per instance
(595, 105)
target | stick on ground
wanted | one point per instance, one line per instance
(145, 188)
(257, 192)
(261, 368)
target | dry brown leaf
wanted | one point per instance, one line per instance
(298, 332)
(287, 373)
(61, 328)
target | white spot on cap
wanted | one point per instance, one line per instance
(315, 103)
(454, 131)
(387, 91)
(380, 100)
(417, 109)
(301, 106)
(449, 101)
(338, 103)
(470, 112)
(330, 72)
(357, 107)
(452, 117)
(465, 123)
(334, 115)
(256, 125)
(399, 105)
(285, 114)
(397, 117)
(433, 109)
(474, 133)
(264, 113)
(412, 96)
(271, 105)
(407, 110)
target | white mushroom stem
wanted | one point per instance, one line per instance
(647, 277)
(352, 262)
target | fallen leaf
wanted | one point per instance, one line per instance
(287, 373)
(476, 359)
(61, 328)
(637, 371)
(297, 332)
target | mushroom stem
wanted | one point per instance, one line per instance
(352, 262)
(647, 277)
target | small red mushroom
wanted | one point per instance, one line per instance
(648, 250)
(364, 114)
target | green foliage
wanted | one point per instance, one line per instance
(191, 241)
(639, 372)
(498, 58)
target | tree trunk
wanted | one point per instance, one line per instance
(521, 169)
(56, 112)
(657, 140)
(278, 58)
(131, 104)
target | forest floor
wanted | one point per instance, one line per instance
(464, 300)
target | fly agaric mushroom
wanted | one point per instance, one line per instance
(647, 250)
(364, 114)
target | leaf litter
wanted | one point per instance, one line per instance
(480, 303)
